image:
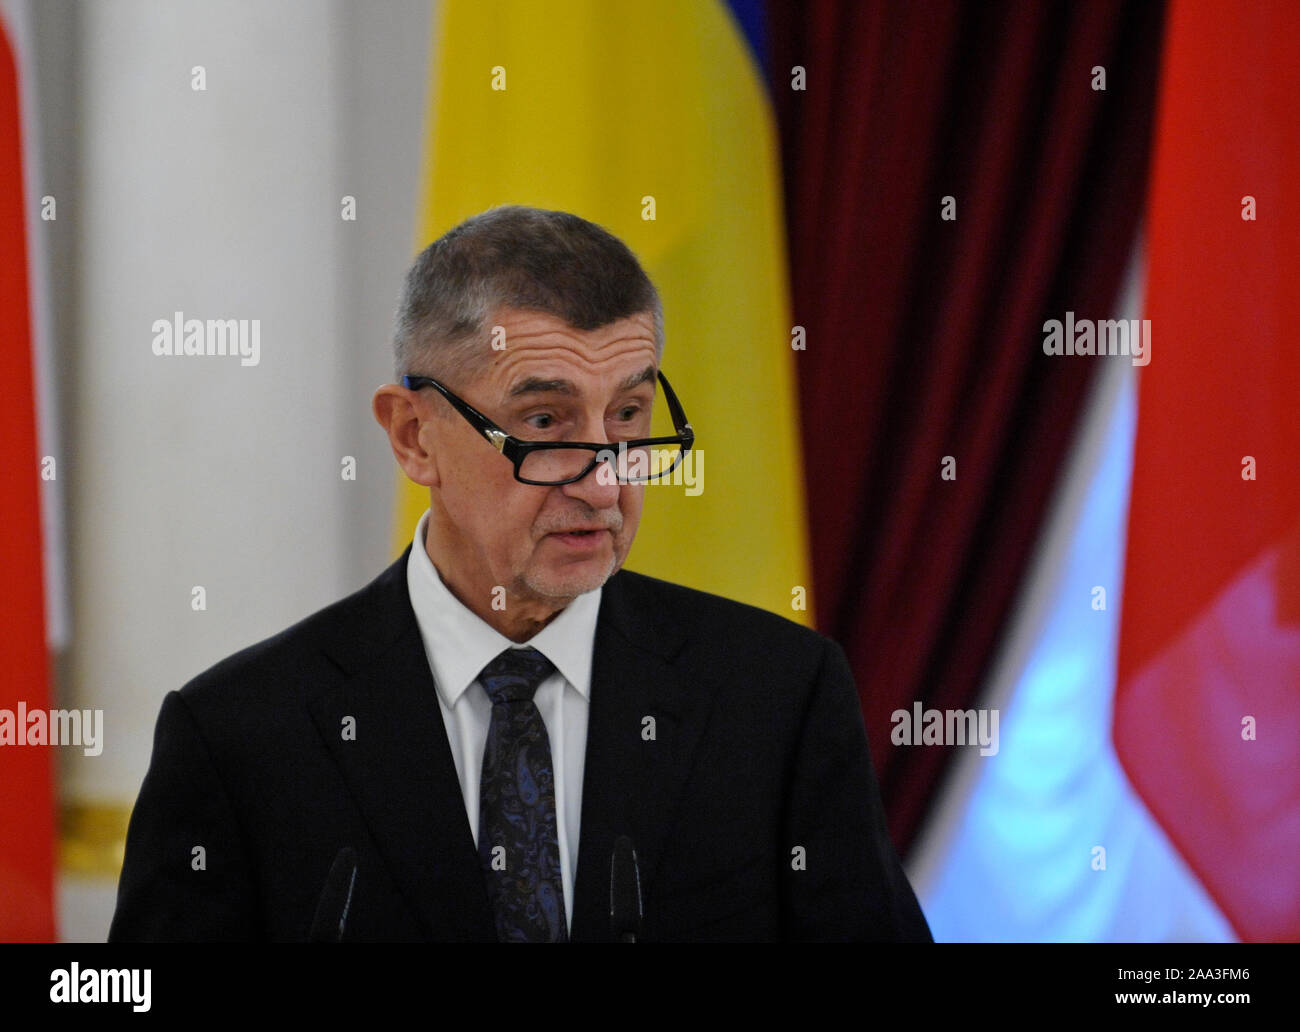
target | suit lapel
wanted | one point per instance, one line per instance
(399, 767)
(632, 782)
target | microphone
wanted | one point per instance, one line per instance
(335, 899)
(624, 892)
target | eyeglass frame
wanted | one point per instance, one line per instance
(517, 450)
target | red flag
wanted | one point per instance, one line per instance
(26, 784)
(1207, 710)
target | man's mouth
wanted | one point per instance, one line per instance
(586, 536)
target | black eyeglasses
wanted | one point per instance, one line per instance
(551, 463)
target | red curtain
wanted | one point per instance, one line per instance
(924, 336)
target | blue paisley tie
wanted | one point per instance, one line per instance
(517, 841)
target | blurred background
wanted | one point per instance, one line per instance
(863, 218)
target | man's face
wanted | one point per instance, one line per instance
(551, 382)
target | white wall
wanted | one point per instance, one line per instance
(223, 203)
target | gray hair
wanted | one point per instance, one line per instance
(519, 257)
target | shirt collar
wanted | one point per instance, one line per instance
(459, 644)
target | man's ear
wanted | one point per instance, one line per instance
(397, 411)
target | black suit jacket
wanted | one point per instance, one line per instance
(750, 798)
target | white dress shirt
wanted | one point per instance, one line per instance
(459, 645)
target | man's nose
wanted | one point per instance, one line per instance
(600, 487)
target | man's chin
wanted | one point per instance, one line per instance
(572, 580)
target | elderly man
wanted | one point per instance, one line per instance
(506, 736)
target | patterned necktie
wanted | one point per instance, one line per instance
(517, 841)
